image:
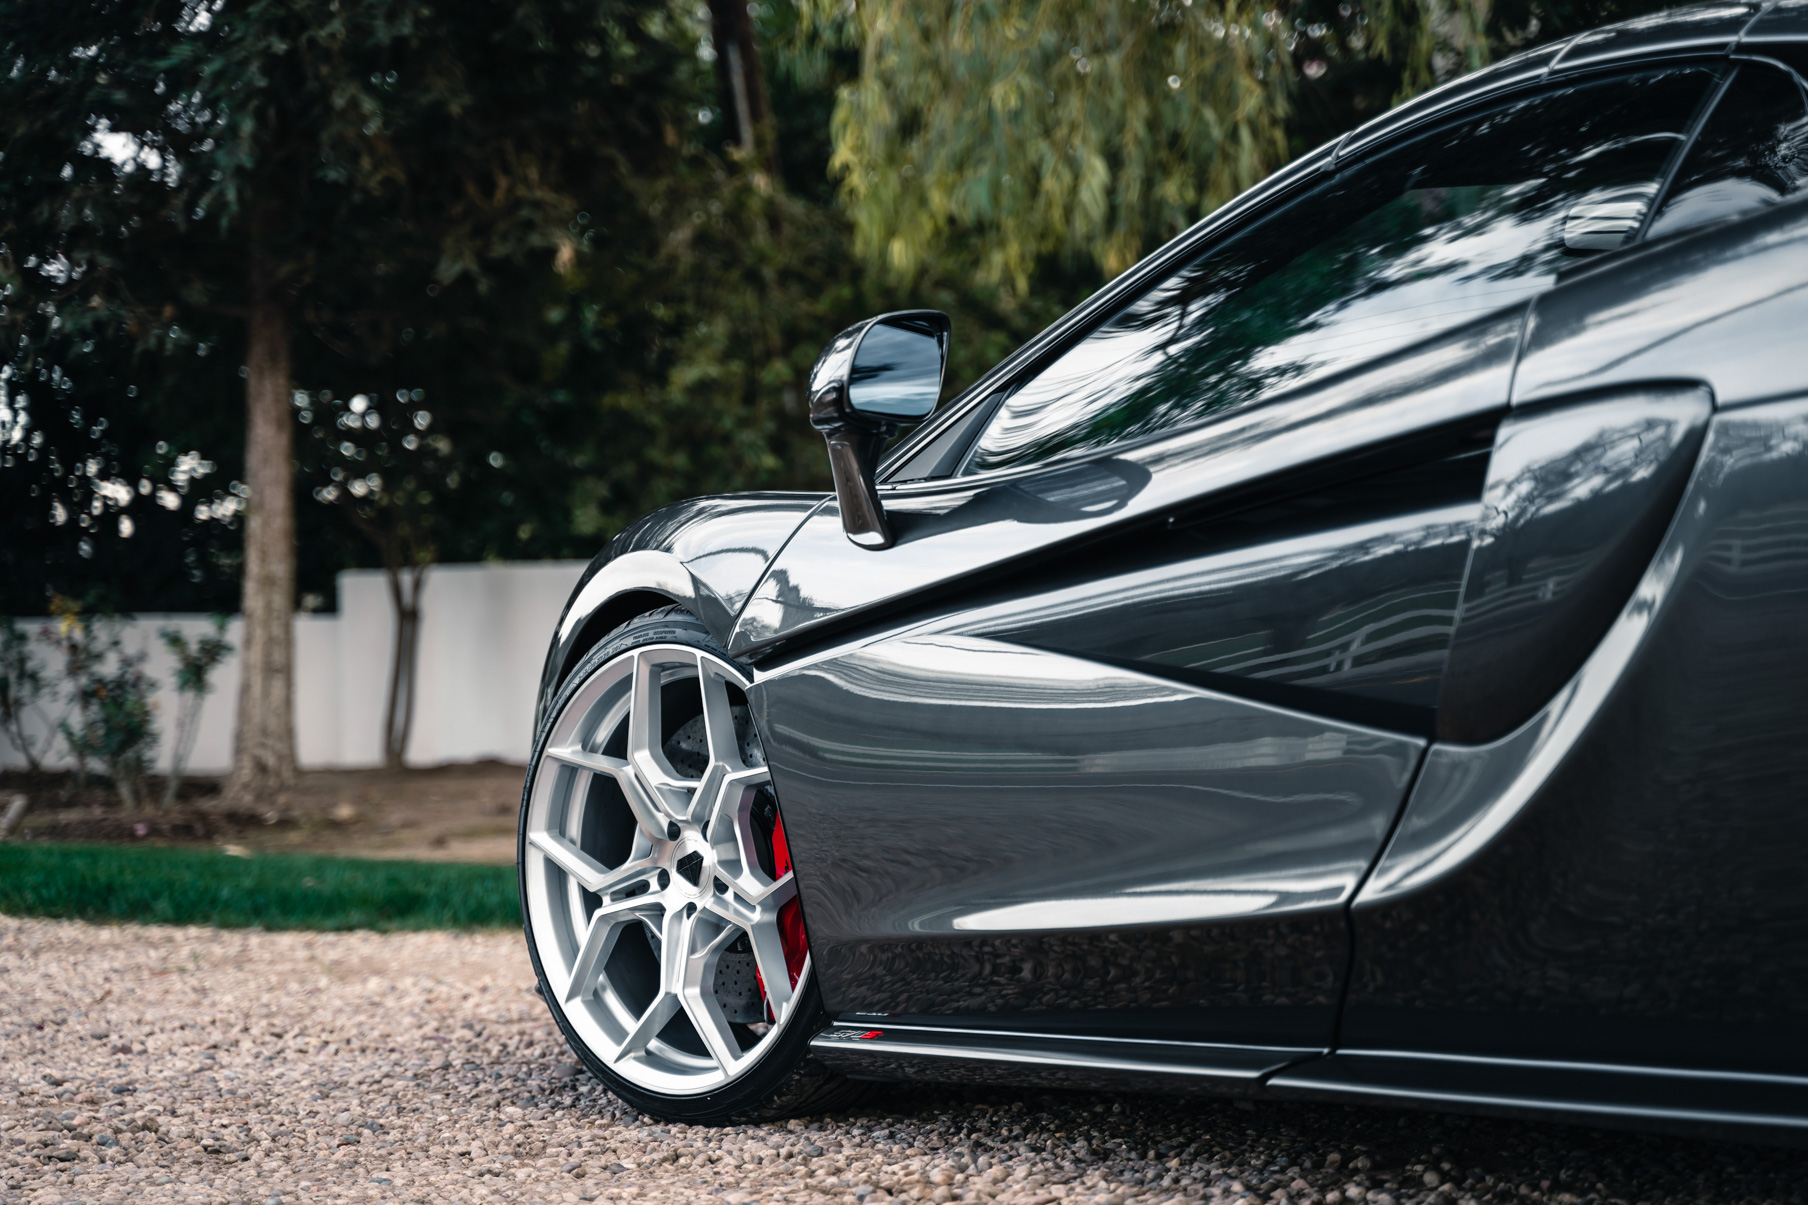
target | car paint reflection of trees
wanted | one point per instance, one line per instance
(1576, 501)
(1460, 376)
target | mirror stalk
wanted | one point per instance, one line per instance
(854, 448)
(870, 379)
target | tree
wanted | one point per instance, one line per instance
(1069, 128)
(195, 663)
(22, 686)
(116, 484)
(381, 466)
(741, 82)
(1010, 133)
(109, 719)
(289, 166)
(1517, 24)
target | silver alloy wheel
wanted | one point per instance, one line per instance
(653, 895)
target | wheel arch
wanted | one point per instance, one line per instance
(612, 591)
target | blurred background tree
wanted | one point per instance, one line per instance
(252, 174)
(1017, 130)
(1009, 133)
(600, 242)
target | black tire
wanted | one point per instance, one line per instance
(786, 1080)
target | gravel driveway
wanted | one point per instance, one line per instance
(160, 1064)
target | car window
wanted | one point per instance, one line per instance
(1751, 153)
(1402, 246)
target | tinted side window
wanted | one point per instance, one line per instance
(1399, 248)
(1751, 153)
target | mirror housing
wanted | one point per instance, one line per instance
(871, 378)
(1605, 218)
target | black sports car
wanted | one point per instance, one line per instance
(1362, 653)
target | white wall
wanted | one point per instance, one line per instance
(484, 633)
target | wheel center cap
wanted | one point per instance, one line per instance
(690, 867)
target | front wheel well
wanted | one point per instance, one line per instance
(605, 619)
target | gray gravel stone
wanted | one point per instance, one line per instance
(290, 1067)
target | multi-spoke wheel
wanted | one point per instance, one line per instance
(657, 889)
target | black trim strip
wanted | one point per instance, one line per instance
(1454, 437)
(1331, 704)
(1766, 1108)
(943, 1052)
(1705, 110)
(1641, 1097)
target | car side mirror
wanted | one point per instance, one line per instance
(870, 379)
(1604, 219)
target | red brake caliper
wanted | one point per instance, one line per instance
(790, 916)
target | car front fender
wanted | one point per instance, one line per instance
(705, 555)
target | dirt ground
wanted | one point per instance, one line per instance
(144, 1065)
(462, 813)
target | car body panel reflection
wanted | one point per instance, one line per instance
(1068, 800)
(724, 542)
(707, 554)
(948, 531)
(1351, 589)
(1701, 27)
(1576, 501)
(1786, 20)
(1724, 306)
(1621, 880)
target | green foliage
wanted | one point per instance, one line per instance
(116, 726)
(110, 694)
(22, 688)
(195, 663)
(398, 179)
(201, 887)
(1007, 133)
(377, 460)
(1518, 24)
(743, 289)
(1427, 41)
(354, 143)
(102, 475)
(750, 285)
(1064, 128)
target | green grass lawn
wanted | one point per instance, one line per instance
(278, 891)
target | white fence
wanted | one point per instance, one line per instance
(483, 636)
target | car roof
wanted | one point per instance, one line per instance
(1694, 29)
(1785, 21)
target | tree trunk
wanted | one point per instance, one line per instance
(188, 727)
(405, 597)
(15, 733)
(741, 75)
(263, 766)
(126, 783)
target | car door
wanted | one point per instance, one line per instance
(1601, 862)
(1107, 740)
